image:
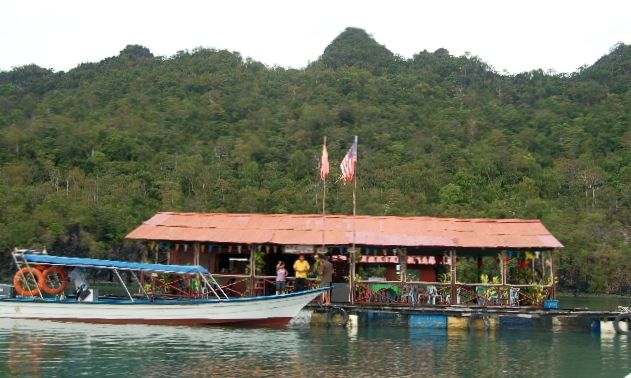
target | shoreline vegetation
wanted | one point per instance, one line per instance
(87, 155)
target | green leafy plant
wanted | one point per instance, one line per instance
(378, 272)
(535, 294)
(444, 277)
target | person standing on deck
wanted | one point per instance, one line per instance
(325, 271)
(281, 277)
(301, 266)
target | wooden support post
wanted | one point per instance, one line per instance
(351, 275)
(503, 267)
(252, 270)
(145, 252)
(403, 263)
(196, 254)
(553, 291)
(452, 264)
(502, 257)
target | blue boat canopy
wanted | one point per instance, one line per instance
(112, 264)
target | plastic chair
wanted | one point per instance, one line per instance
(409, 296)
(480, 291)
(432, 295)
(513, 296)
(448, 297)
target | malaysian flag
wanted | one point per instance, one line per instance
(348, 164)
(324, 164)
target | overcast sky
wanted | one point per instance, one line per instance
(514, 35)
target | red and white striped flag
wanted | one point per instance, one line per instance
(324, 163)
(348, 164)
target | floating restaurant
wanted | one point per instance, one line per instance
(378, 260)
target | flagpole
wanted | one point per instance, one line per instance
(323, 202)
(352, 256)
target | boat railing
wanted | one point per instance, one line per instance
(194, 282)
(234, 285)
(242, 285)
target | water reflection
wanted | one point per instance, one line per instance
(38, 348)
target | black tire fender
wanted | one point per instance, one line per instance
(332, 319)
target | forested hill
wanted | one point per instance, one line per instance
(87, 155)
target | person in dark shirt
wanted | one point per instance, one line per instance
(325, 272)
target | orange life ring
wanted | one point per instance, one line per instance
(62, 279)
(41, 267)
(25, 273)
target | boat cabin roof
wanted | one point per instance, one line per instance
(112, 264)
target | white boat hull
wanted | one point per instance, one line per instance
(270, 310)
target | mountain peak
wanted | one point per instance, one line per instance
(355, 47)
(612, 69)
(136, 51)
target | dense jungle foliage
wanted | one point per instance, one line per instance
(87, 155)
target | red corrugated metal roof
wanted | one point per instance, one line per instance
(338, 230)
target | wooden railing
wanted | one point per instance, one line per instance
(440, 294)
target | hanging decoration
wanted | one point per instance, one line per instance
(239, 249)
(522, 264)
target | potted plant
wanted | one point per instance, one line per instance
(378, 274)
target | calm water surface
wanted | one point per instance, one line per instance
(51, 349)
